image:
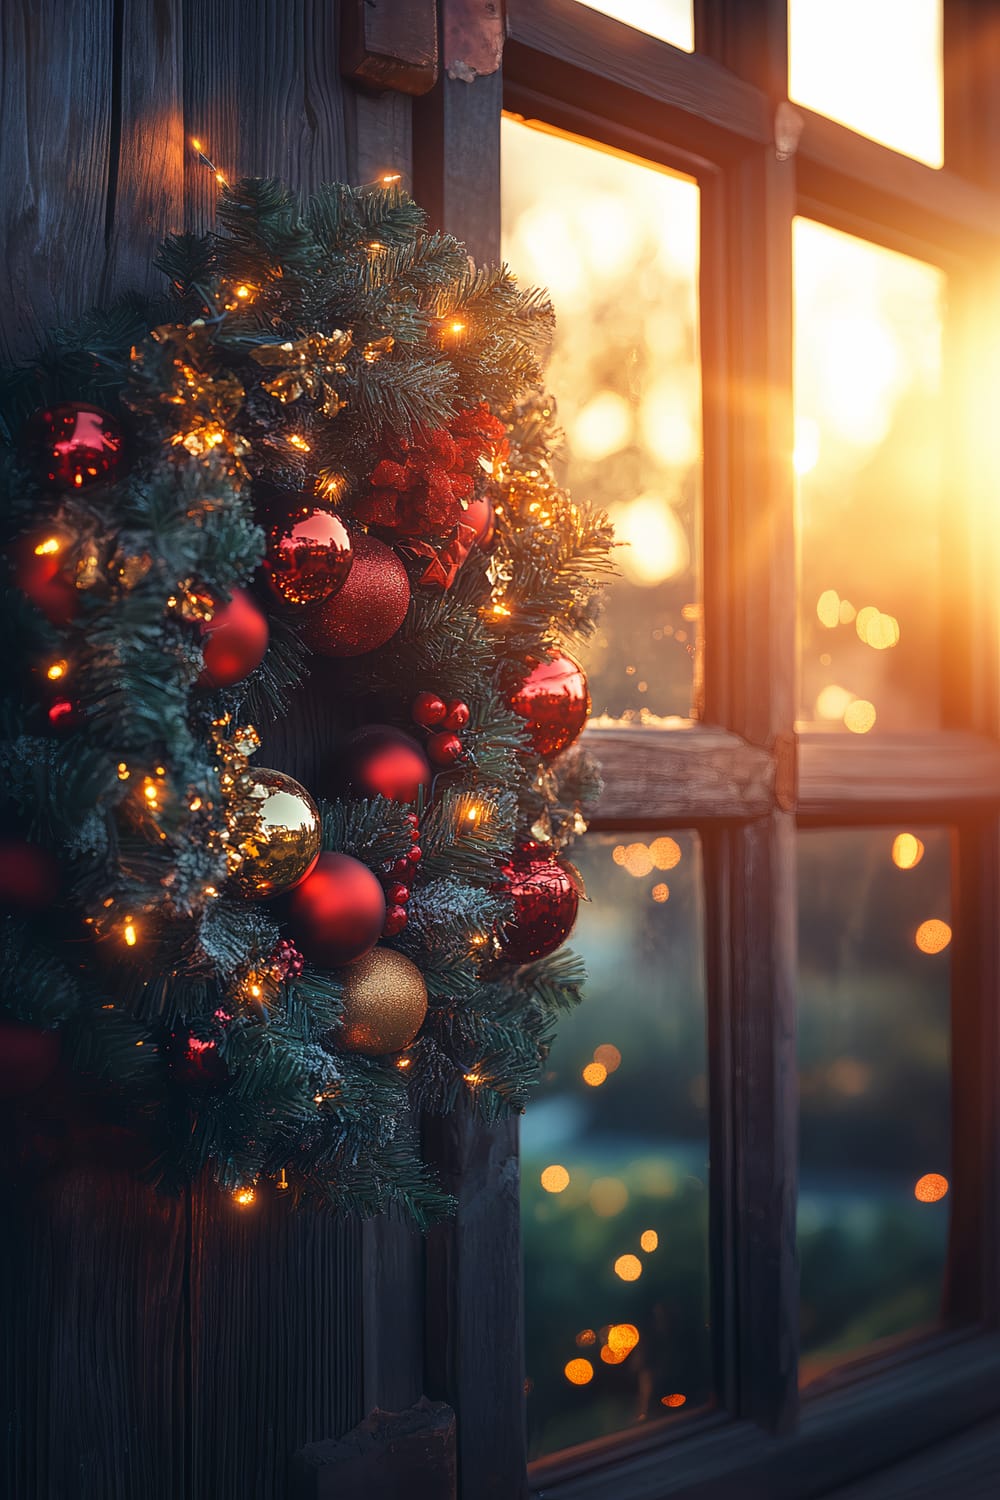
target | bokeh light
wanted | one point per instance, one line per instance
(649, 1240)
(628, 1267)
(676, 1400)
(907, 851)
(608, 1196)
(608, 1056)
(665, 853)
(933, 936)
(594, 1074)
(660, 893)
(585, 1338)
(859, 716)
(930, 1188)
(623, 1336)
(579, 1372)
(638, 860)
(555, 1179)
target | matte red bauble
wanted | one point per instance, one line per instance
(75, 445)
(379, 761)
(545, 901)
(234, 642)
(481, 515)
(195, 1060)
(554, 700)
(369, 608)
(38, 572)
(338, 912)
(309, 557)
(28, 1056)
(29, 876)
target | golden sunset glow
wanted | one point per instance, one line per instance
(670, 20)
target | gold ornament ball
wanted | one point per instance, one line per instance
(284, 845)
(385, 1001)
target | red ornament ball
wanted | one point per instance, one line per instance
(397, 894)
(338, 912)
(457, 716)
(545, 900)
(554, 700)
(379, 761)
(28, 1057)
(367, 610)
(39, 561)
(309, 557)
(75, 445)
(234, 641)
(481, 515)
(428, 710)
(29, 876)
(444, 749)
(196, 1062)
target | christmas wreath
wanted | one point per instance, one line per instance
(314, 479)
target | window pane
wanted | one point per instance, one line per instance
(874, 65)
(670, 20)
(616, 242)
(869, 459)
(614, 1160)
(874, 1059)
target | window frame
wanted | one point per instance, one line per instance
(742, 776)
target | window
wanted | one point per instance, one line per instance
(803, 442)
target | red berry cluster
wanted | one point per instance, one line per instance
(444, 747)
(399, 875)
(421, 483)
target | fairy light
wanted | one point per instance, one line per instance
(129, 933)
(473, 1078)
(244, 1196)
(123, 771)
(50, 545)
(388, 178)
(244, 292)
(58, 669)
(195, 804)
(296, 440)
(402, 1063)
(282, 1183)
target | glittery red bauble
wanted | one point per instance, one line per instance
(234, 642)
(555, 701)
(195, 1060)
(28, 1056)
(379, 761)
(368, 610)
(444, 749)
(338, 911)
(545, 901)
(39, 560)
(427, 709)
(75, 445)
(482, 516)
(309, 557)
(29, 876)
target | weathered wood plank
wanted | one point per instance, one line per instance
(276, 1343)
(92, 1272)
(883, 777)
(654, 776)
(56, 141)
(262, 92)
(390, 44)
(388, 1455)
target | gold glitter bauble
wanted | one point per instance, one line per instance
(385, 1001)
(284, 843)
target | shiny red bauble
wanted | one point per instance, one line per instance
(395, 921)
(457, 716)
(338, 912)
(196, 1061)
(481, 515)
(379, 761)
(309, 557)
(545, 900)
(29, 876)
(75, 445)
(39, 561)
(234, 642)
(367, 610)
(28, 1057)
(554, 700)
(428, 710)
(444, 749)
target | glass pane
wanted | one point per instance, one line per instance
(874, 65)
(616, 242)
(614, 1160)
(670, 20)
(869, 460)
(874, 1060)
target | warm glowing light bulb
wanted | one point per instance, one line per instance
(390, 177)
(57, 670)
(50, 545)
(243, 292)
(129, 933)
(244, 1196)
(196, 143)
(554, 1179)
(298, 441)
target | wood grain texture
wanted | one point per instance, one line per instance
(390, 44)
(456, 160)
(92, 1271)
(263, 93)
(56, 142)
(474, 1357)
(654, 776)
(388, 1455)
(276, 1342)
(879, 778)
